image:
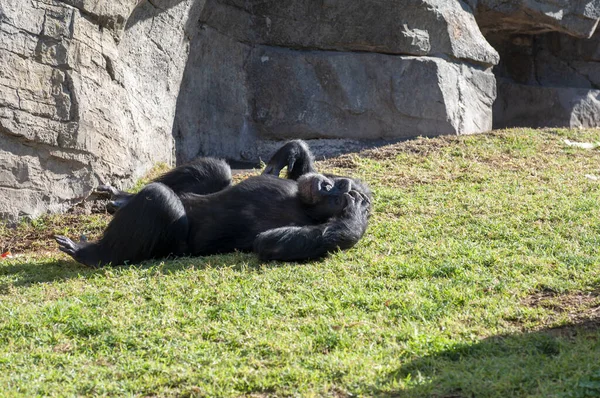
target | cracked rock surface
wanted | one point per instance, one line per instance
(87, 95)
(262, 71)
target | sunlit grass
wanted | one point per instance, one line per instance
(479, 276)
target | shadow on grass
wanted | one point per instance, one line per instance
(18, 273)
(39, 270)
(561, 361)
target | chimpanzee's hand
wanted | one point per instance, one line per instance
(358, 205)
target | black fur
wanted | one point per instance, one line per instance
(296, 156)
(152, 224)
(201, 176)
(194, 210)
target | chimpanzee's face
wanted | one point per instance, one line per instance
(326, 195)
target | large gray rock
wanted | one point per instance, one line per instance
(548, 80)
(265, 93)
(424, 27)
(87, 94)
(574, 17)
(366, 96)
(535, 106)
(549, 61)
(563, 60)
(338, 70)
(213, 110)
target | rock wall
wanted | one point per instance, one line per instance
(261, 71)
(88, 91)
(98, 91)
(549, 79)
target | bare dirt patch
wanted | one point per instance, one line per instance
(419, 146)
(582, 310)
(347, 162)
(38, 236)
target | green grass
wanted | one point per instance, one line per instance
(479, 276)
(156, 171)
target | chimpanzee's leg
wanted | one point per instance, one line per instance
(201, 176)
(152, 224)
(296, 156)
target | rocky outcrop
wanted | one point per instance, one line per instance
(520, 105)
(98, 91)
(425, 27)
(261, 71)
(549, 74)
(87, 94)
(548, 80)
(366, 96)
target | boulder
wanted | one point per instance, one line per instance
(365, 96)
(547, 80)
(521, 105)
(423, 27)
(369, 70)
(569, 61)
(88, 91)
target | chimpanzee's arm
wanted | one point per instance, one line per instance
(296, 156)
(315, 241)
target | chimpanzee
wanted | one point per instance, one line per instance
(194, 210)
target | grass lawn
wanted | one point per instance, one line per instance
(479, 276)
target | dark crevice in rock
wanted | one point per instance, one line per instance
(72, 25)
(18, 98)
(154, 5)
(110, 69)
(70, 90)
(2, 186)
(22, 56)
(162, 49)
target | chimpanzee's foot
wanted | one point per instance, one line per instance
(110, 192)
(107, 189)
(78, 251)
(118, 198)
(113, 206)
